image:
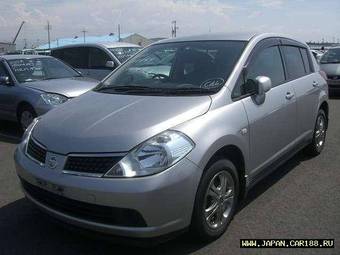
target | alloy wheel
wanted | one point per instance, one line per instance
(320, 132)
(219, 199)
(26, 119)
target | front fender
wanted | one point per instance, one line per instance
(216, 129)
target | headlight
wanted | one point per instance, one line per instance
(53, 99)
(153, 156)
(29, 130)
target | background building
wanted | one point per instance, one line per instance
(6, 47)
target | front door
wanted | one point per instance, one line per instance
(272, 123)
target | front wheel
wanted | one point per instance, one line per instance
(319, 137)
(216, 200)
(26, 116)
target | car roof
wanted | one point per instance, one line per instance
(244, 36)
(22, 56)
(100, 44)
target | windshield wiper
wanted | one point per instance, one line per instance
(126, 88)
(189, 90)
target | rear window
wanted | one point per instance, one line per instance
(294, 62)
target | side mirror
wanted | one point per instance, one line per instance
(4, 80)
(110, 64)
(264, 84)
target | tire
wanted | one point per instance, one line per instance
(26, 114)
(204, 224)
(319, 136)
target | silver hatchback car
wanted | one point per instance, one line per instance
(176, 136)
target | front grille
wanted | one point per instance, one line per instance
(82, 210)
(98, 165)
(36, 151)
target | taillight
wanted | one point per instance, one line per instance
(323, 74)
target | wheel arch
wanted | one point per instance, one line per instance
(21, 105)
(236, 156)
(325, 107)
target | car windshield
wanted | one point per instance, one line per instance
(123, 53)
(179, 68)
(35, 69)
(331, 56)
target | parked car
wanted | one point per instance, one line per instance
(31, 85)
(176, 136)
(317, 54)
(95, 60)
(330, 64)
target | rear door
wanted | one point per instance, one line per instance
(305, 81)
(272, 124)
(97, 63)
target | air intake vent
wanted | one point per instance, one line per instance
(97, 165)
(36, 151)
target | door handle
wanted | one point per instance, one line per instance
(315, 84)
(289, 95)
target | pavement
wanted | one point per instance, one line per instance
(301, 199)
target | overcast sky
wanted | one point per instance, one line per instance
(306, 19)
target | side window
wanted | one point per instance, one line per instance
(268, 63)
(3, 71)
(76, 57)
(294, 62)
(306, 60)
(98, 59)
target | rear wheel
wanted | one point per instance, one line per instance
(26, 115)
(216, 200)
(319, 137)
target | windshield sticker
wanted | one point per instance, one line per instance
(213, 83)
(25, 66)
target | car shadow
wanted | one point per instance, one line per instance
(36, 233)
(10, 132)
(273, 178)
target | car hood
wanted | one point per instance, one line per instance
(330, 69)
(103, 123)
(70, 87)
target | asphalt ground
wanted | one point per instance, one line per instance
(301, 199)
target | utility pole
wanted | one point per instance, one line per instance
(84, 34)
(174, 28)
(118, 32)
(48, 27)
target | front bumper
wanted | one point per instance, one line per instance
(164, 201)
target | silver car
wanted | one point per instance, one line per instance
(330, 64)
(31, 85)
(176, 136)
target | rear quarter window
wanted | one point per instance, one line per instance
(306, 62)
